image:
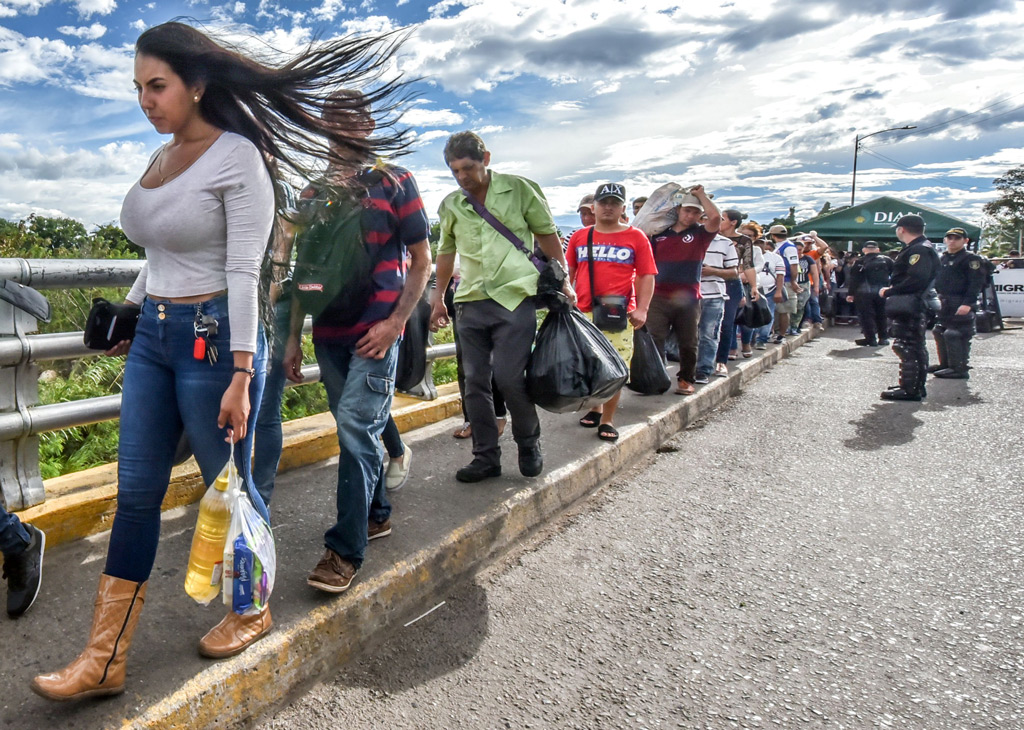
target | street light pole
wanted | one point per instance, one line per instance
(856, 148)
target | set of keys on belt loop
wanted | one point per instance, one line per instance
(205, 327)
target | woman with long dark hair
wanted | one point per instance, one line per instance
(203, 209)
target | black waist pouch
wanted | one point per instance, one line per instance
(610, 313)
(110, 323)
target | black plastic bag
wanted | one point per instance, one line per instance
(573, 365)
(647, 373)
(412, 353)
(754, 314)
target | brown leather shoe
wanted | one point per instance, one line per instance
(333, 573)
(234, 634)
(377, 529)
(100, 668)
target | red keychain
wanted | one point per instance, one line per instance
(199, 349)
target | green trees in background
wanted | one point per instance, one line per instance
(1005, 226)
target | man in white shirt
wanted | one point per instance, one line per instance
(720, 263)
(771, 279)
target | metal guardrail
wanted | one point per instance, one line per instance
(22, 418)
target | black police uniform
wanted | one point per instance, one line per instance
(913, 273)
(959, 282)
(867, 276)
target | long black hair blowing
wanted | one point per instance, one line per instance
(281, 109)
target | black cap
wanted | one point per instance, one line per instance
(910, 221)
(871, 244)
(958, 232)
(610, 190)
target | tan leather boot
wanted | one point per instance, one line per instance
(234, 634)
(99, 669)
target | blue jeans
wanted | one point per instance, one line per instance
(359, 391)
(727, 342)
(167, 392)
(13, 535)
(814, 310)
(708, 331)
(763, 333)
(267, 434)
(392, 439)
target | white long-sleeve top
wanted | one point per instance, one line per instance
(205, 231)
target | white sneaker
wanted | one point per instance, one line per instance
(397, 473)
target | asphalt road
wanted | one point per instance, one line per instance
(807, 556)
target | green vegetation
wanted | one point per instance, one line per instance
(73, 449)
(1004, 227)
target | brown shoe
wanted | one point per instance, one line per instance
(333, 573)
(685, 388)
(100, 668)
(502, 421)
(234, 634)
(378, 529)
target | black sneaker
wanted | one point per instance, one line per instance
(24, 573)
(477, 471)
(531, 461)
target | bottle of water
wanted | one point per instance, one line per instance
(206, 561)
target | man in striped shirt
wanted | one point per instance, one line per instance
(357, 350)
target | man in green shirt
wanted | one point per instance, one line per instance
(497, 317)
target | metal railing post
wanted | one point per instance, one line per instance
(20, 481)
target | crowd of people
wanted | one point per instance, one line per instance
(204, 209)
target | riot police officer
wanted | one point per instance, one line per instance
(867, 276)
(913, 274)
(960, 279)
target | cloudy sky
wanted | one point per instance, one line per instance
(759, 100)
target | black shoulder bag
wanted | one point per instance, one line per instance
(552, 276)
(610, 311)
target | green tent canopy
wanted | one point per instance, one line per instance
(875, 219)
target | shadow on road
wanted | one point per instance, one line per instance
(433, 646)
(886, 424)
(893, 424)
(857, 353)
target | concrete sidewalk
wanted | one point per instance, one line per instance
(443, 531)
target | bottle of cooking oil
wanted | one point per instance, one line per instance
(206, 561)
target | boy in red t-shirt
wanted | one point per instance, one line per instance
(623, 266)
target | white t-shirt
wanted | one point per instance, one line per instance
(771, 266)
(722, 255)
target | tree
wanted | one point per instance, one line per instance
(58, 233)
(789, 221)
(1006, 212)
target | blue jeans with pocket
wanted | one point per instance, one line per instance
(359, 392)
(727, 341)
(708, 333)
(168, 392)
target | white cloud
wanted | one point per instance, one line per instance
(431, 117)
(139, 25)
(328, 9)
(369, 24)
(87, 8)
(30, 60)
(92, 32)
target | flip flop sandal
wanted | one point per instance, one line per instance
(591, 420)
(607, 432)
(463, 433)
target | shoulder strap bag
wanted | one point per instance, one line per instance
(610, 311)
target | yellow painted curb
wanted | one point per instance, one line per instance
(235, 691)
(82, 504)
